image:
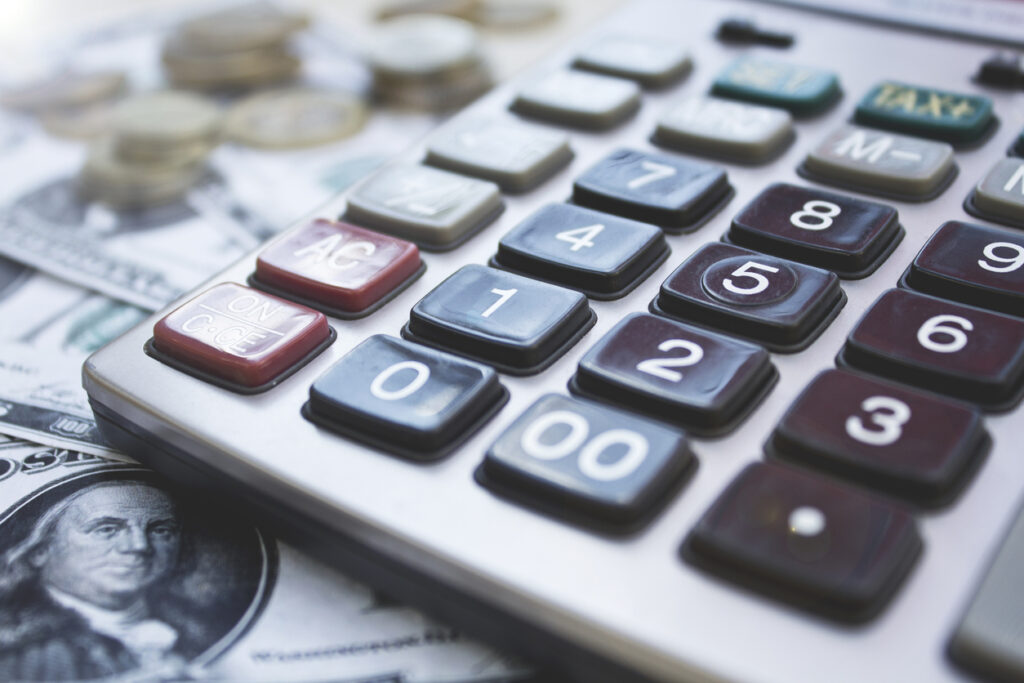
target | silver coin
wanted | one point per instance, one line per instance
(82, 122)
(514, 14)
(423, 44)
(250, 68)
(64, 90)
(294, 117)
(108, 178)
(166, 117)
(250, 25)
(463, 9)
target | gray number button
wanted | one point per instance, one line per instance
(1000, 194)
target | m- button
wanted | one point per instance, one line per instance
(881, 163)
(239, 338)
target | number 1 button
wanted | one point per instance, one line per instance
(952, 349)
(588, 463)
(514, 323)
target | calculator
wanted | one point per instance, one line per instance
(695, 353)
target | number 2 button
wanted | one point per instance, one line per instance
(586, 462)
(514, 323)
(703, 381)
(780, 304)
(952, 349)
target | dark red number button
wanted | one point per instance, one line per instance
(903, 442)
(811, 541)
(780, 304)
(851, 237)
(341, 269)
(673, 193)
(697, 379)
(949, 348)
(974, 264)
(588, 463)
(239, 337)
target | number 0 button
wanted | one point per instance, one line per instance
(588, 463)
(780, 304)
(952, 349)
(514, 323)
(405, 398)
(700, 380)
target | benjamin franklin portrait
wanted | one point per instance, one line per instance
(113, 574)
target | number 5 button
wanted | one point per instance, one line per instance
(516, 324)
(952, 349)
(703, 381)
(780, 304)
(904, 442)
(586, 462)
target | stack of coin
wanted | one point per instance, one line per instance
(240, 47)
(491, 14)
(155, 152)
(69, 105)
(290, 118)
(428, 61)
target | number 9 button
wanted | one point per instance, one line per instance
(588, 463)
(700, 380)
(897, 440)
(851, 237)
(780, 304)
(949, 348)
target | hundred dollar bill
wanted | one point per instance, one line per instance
(109, 573)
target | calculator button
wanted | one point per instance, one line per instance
(801, 90)
(588, 463)
(405, 398)
(700, 380)
(906, 443)
(882, 163)
(811, 541)
(338, 268)
(1018, 146)
(711, 126)
(515, 323)
(973, 264)
(579, 99)
(780, 304)
(600, 255)
(673, 193)
(926, 112)
(949, 348)
(1000, 194)
(651, 63)
(516, 156)
(848, 236)
(435, 209)
(239, 337)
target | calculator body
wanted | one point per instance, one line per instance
(591, 605)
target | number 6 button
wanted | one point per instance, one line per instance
(703, 381)
(591, 464)
(892, 438)
(780, 304)
(516, 324)
(949, 348)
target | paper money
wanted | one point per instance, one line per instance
(108, 573)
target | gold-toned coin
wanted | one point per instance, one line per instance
(251, 69)
(250, 25)
(166, 117)
(107, 177)
(514, 14)
(64, 90)
(463, 9)
(423, 45)
(294, 117)
(79, 123)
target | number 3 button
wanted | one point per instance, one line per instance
(703, 381)
(780, 304)
(586, 462)
(952, 349)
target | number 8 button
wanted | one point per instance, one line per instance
(958, 350)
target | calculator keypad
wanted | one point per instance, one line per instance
(973, 264)
(926, 112)
(673, 193)
(1000, 194)
(588, 463)
(780, 304)
(579, 99)
(598, 254)
(405, 398)
(893, 439)
(700, 380)
(817, 543)
(514, 323)
(957, 350)
(849, 236)
(802, 90)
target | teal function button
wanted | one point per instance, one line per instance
(801, 90)
(927, 112)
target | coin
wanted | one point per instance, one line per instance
(514, 14)
(79, 122)
(423, 45)
(108, 178)
(453, 8)
(165, 118)
(294, 117)
(64, 90)
(250, 25)
(250, 67)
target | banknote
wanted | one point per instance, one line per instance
(107, 572)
